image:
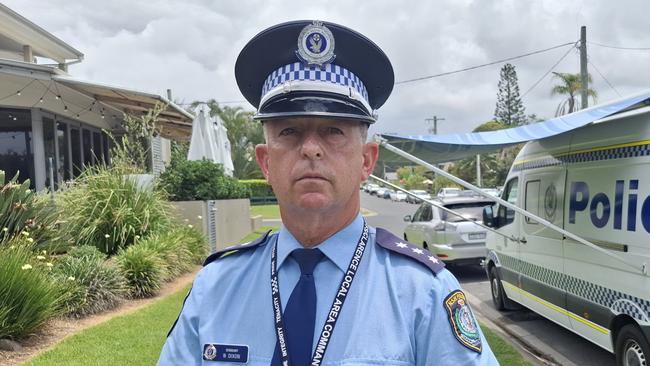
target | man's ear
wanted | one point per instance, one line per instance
(262, 157)
(370, 155)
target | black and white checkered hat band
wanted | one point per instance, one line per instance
(329, 73)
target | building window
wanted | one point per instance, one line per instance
(50, 152)
(97, 148)
(87, 147)
(16, 148)
(75, 147)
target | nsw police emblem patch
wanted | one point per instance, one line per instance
(316, 45)
(463, 323)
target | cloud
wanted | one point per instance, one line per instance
(191, 47)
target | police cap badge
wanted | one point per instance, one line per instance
(312, 68)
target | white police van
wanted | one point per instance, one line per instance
(593, 182)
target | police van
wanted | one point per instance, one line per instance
(593, 182)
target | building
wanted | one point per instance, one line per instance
(52, 124)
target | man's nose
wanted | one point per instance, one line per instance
(311, 147)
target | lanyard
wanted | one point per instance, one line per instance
(335, 309)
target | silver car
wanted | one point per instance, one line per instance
(454, 239)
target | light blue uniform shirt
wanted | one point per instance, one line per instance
(394, 313)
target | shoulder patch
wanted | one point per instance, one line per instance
(391, 242)
(237, 248)
(462, 321)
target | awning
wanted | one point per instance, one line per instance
(445, 148)
(26, 85)
(176, 122)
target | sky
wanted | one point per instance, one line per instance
(191, 46)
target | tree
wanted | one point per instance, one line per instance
(509, 109)
(570, 85)
(243, 133)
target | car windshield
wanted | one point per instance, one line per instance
(469, 211)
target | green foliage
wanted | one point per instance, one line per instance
(28, 297)
(258, 187)
(144, 270)
(412, 177)
(492, 125)
(243, 133)
(509, 109)
(91, 284)
(193, 240)
(106, 210)
(86, 251)
(22, 210)
(131, 152)
(200, 180)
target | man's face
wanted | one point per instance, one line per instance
(316, 163)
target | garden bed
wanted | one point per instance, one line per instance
(59, 329)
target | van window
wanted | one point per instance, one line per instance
(417, 216)
(426, 213)
(531, 203)
(506, 215)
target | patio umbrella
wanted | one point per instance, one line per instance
(221, 136)
(197, 144)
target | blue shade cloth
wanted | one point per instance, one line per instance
(444, 148)
(300, 314)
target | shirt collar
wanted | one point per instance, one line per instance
(338, 248)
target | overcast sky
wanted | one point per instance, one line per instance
(190, 46)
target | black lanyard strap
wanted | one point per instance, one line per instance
(335, 309)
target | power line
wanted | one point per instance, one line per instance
(549, 70)
(483, 65)
(621, 48)
(603, 76)
(218, 102)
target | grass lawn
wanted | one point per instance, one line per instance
(267, 211)
(259, 232)
(505, 353)
(134, 339)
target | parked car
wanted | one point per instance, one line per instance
(372, 188)
(448, 192)
(454, 239)
(398, 196)
(387, 193)
(492, 191)
(421, 194)
(379, 192)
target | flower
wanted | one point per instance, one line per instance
(5, 229)
(200, 217)
(24, 233)
(44, 251)
(107, 236)
(12, 247)
(137, 237)
(49, 264)
(26, 266)
(187, 220)
(70, 278)
(31, 240)
(40, 257)
(190, 226)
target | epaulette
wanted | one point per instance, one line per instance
(391, 242)
(237, 248)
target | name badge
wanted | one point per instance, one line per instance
(225, 353)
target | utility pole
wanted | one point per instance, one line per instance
(584, 78)
(435, 120)
(478, 171)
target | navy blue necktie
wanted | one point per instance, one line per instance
(300, 314)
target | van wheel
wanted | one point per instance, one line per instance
(632, 348)
(496, 289)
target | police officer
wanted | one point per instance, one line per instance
(328, 289)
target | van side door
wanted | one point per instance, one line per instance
(541, 251)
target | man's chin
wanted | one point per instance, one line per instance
(314, 201)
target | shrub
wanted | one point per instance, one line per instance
(194, 241)
(258, 187)
(108, 211)
(28, 298)
(91, 284)
(86, 251)
(200, 180)
(22, 210)
(175, 256)
(144, 270)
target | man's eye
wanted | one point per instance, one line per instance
(334, 131)
(287, 131)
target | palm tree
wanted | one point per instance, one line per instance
(570, 85)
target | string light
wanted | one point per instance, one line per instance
(65, 108)
(58, 97)
(18, 92)
(41, 100)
